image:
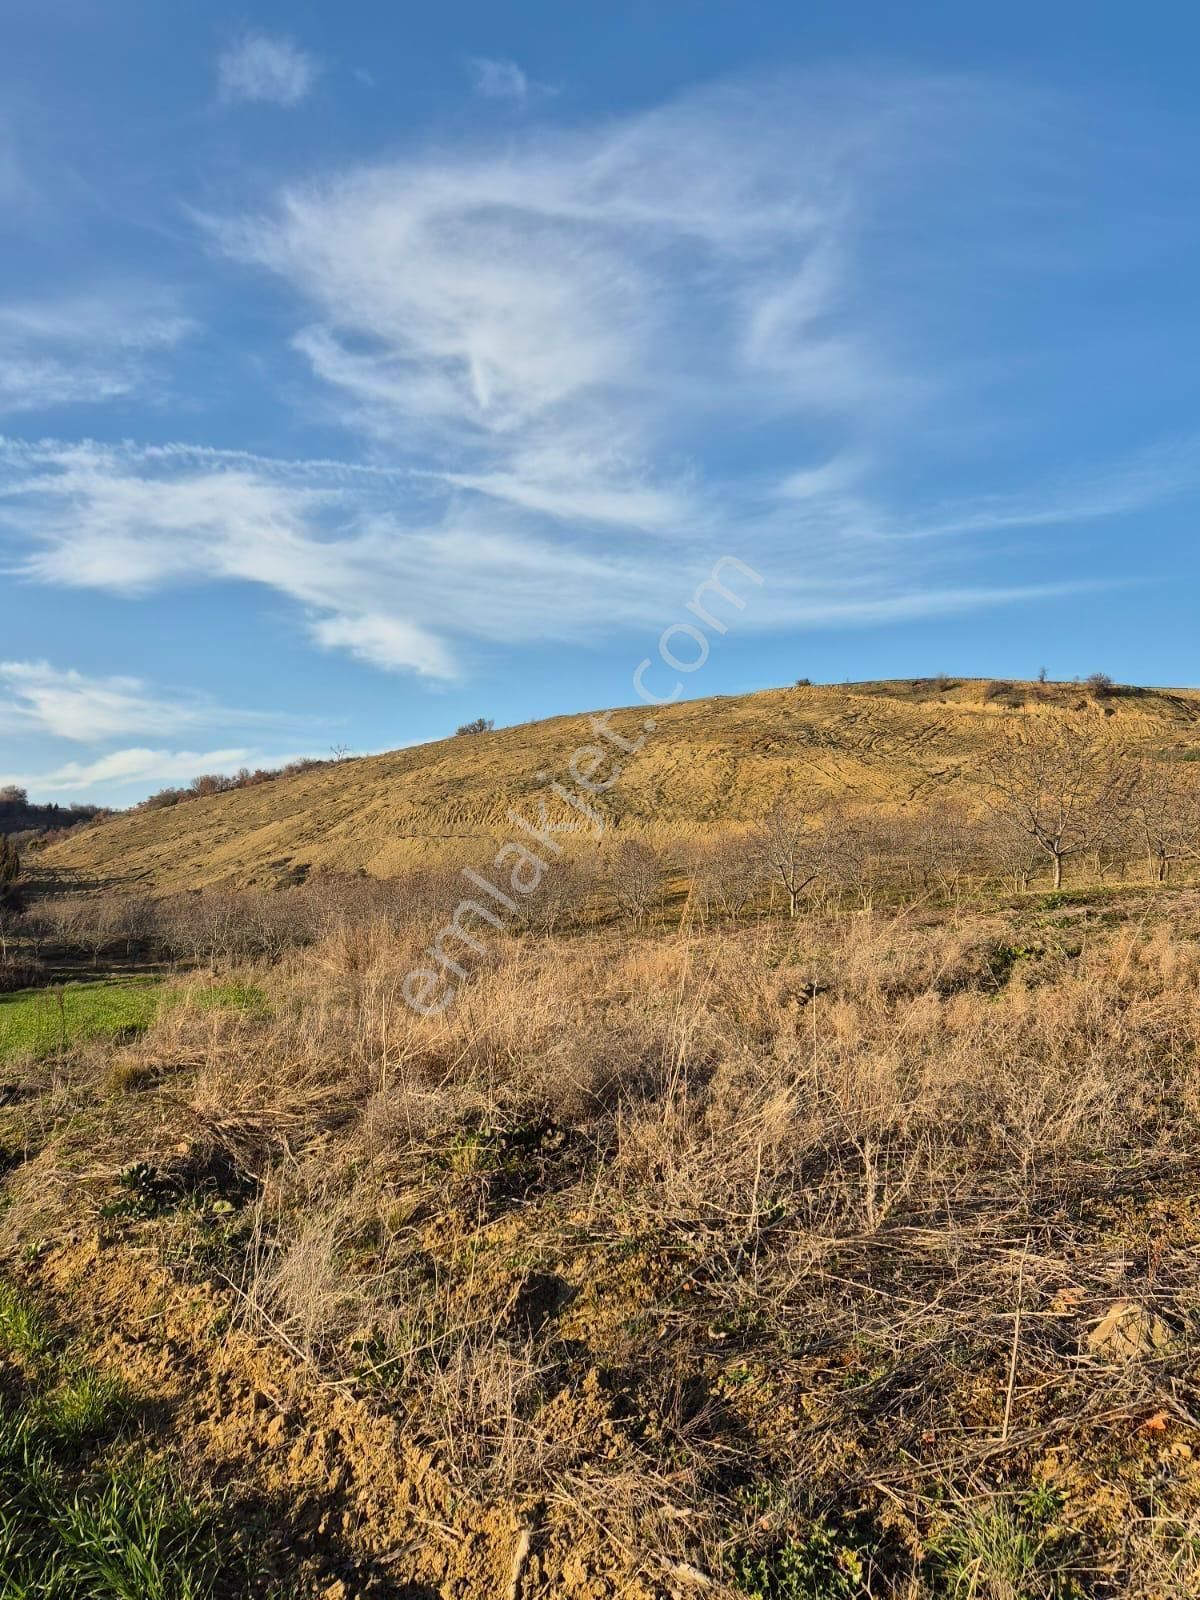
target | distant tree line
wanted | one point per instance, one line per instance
(17, 815)
(210, 783)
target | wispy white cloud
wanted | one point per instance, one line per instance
(82, 351)
(415, 594)
(497, 79)
(593, 361)
(137, 768)
(40, 702)
(1145, 478)
(267, 68)
(571, 324)
(36, 697)
(131, 521)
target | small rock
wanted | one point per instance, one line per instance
(1127, 1330)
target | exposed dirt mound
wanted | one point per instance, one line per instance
(346, 1506)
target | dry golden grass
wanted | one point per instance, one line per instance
(765, 1256)
(709, 764)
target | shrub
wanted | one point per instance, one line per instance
(221, 783)
(635, 879)
(480, 725)
(10, 865)
(20, 974)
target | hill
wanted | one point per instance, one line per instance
(745, 1247)
(703, 764)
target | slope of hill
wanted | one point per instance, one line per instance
(703, 763)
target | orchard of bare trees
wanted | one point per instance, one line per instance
(1053, 804)
(1052, 797)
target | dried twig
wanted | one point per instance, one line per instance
(1016, 1345)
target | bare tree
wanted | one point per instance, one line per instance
(1165, 814)
(9, 919)
(1009, 851)
(560, 899)
(1060, 787)
(725, 875)
(789, 849)
(940, 846)
(850, 853)
(635, 878)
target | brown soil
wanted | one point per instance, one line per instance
(346, 1507)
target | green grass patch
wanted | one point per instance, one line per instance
(82, 1515)
(37, 1022)
(234, 995)
(1014, 1546)
(22, 1332)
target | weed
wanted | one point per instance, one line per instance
(1004, 1548)
(819, 1565)
(145, 1193)
(75, 1525)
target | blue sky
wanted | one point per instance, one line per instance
(367, 368)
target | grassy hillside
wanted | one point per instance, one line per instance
(705, 763)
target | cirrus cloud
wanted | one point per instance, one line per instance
(137, 767)
(36, 697)
(575, 371)
(82, 351)
(414, 592)
(262, 67)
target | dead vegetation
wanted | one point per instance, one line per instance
(803, 1209)
(770, 1259)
